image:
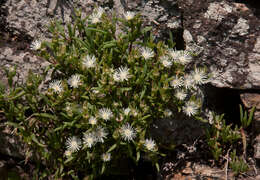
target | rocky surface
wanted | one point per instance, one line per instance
(226, 35)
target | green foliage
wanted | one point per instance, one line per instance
(237, 164)
(108, 85)
(244, 118)
(219, 136)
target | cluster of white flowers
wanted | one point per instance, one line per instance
(95, 17)
(182, 56)
(121, 74)
(74, 144)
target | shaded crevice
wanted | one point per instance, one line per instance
(224, 100)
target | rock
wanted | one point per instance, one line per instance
(257, 148)
(11, 145)
(3, 170)
(226, 35)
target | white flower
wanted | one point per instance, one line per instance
(92, 120)
(100, 134)
(177, 82)
(89, 139)
(100, 11)
(68, 153)
(129, 15)
(190, 108)
(36, 45)
(127, 111)
(73, 144)
(147, 53)
(96, 15)
(174, 54)
(166, 62)
(181, 95)
(188, 82)
(105, 113)
(116, 76)
(168, 112)
(135, 112)
(56, 86)
(121, 74)
(184, 57)
(74, 81)
(199, 76)
(150, 144)
(128, 133)
(210, 116)
(89, 61)
(106, 157)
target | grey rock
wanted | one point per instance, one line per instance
(229, 35)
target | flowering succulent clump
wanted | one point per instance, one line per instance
(111, 87)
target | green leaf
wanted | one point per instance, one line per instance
(18, 95)
(146, 117)
(146, 29)
(251, 114)
(45, 115)
(103, 168)
(68, 160)
(96, 30)
(125, 89)
(241, 113)
(112, 148)
(36, 141)
(157, 167)
(15, 125)
(137, 156)
(109, 44)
